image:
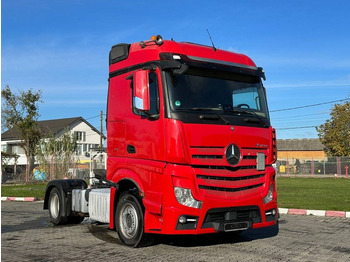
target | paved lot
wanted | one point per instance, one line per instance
(26, 235)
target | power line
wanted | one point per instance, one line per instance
(94, 117)
(296, 127)
(320, 113)
(299, 107)
(298, 122)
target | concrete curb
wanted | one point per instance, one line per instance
(24, 199)
(322, 213)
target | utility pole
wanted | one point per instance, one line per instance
(101, 129)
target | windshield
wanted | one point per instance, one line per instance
(221, 92)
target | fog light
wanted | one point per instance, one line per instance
(270, 215)
(271, 212)
(269, 195)
(186, 222)
(182, 219)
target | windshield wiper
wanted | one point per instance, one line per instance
(252, 113)
(215, 116)
(209, 116)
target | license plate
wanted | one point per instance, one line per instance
(236, 226)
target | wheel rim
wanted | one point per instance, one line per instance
(128, 221)
(54, 206)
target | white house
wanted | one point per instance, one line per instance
(86, 136)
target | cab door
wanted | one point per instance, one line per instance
(145, 129)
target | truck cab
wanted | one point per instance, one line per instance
(189, 142)
(189, 126)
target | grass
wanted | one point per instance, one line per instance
(304, 193)
(314, 193)
(36, 190)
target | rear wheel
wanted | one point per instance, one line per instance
(55, 207)
(129, 221)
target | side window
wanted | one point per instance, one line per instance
(80, 136)
(154, 96)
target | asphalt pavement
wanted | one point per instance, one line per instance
(27, 235)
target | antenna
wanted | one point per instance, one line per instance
(214, 48)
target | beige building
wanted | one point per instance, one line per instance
(302, 149)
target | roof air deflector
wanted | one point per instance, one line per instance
(118, 53)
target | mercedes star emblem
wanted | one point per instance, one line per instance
(233, 155)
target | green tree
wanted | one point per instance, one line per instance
(334, 134)
(55, 155)
(21, 111)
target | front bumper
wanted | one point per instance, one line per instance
(218, 213)
(213, 219)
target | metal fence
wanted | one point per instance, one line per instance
(76, 170)
(12, 174)
(329, 167)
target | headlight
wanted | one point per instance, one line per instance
(184, 197)
(269, 195)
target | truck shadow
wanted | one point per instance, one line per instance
(102, 232)
(219, 238)
(41, 222)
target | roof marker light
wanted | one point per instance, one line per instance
(158, 40)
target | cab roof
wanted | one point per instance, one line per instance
(126, 55)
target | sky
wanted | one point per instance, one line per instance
(61, 47)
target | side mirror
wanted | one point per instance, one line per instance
(141, 90)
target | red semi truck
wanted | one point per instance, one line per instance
(189, 143)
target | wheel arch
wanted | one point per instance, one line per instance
(65, 188)
(125, 180)
(125, 184)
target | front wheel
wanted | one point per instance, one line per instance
(129, 221)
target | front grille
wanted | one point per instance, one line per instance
(229, 178)
(208, 156)
(228, 189)
(215, 156)
(249, 157)
(218, 157)
(214, 176)
(229, 168)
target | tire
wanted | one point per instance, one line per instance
(129, 221)
(55, 207)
